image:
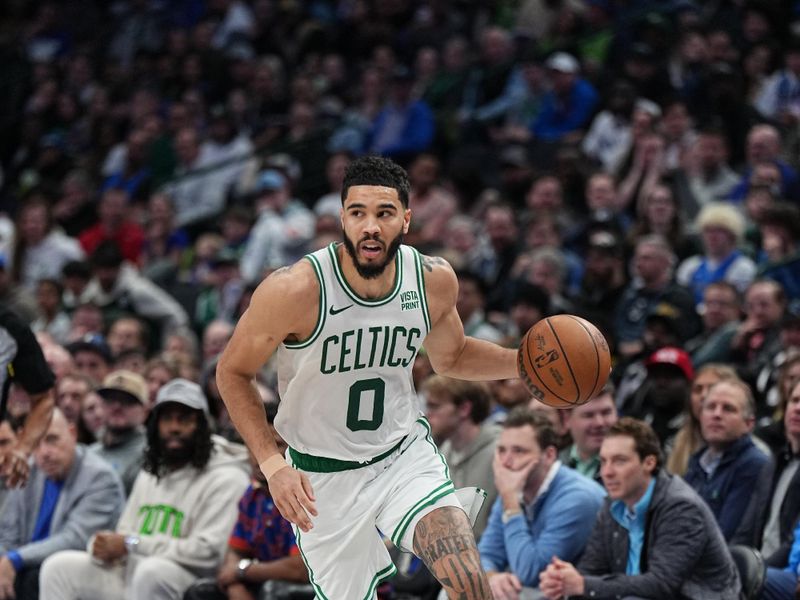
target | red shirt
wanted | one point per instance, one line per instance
(129, 237)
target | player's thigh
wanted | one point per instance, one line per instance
(418, 482)
(343, 552)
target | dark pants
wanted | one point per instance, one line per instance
(205, 589)
(26, 586)
(779, 585)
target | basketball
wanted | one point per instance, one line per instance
(564, 361)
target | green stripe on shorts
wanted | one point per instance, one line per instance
(380, 576)
(446, 488)
(314, 584)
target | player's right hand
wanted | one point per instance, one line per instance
(292, 493)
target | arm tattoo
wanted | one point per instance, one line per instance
(444, 541)
(431, 261)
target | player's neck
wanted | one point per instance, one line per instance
(377, 287)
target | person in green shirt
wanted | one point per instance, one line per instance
(588, 424)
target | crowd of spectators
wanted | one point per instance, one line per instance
(634, 162)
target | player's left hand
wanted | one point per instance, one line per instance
(14, 468)
(8, 576)
(292, 493)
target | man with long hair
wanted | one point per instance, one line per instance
(174, 526)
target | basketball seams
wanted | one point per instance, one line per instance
(533, 370)
(566, 361)
(596, 355)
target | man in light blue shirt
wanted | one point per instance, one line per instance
(543, 509)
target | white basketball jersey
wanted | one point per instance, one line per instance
(346, 392)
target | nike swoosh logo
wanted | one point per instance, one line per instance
(336, 311)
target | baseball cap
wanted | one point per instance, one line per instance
(603, 239)
(563, 62)
(224, 257)
(666, 312)
(514, 156)
(671, 355)
(270, 180)
(127, 382)
(92, 342)
(183, 392)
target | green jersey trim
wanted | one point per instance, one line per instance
(421, 288)
(320, 314)
(322, 464)
(398, 280)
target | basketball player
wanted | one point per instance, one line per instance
(347, 322)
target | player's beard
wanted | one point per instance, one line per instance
(373, 270)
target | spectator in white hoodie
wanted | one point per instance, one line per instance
(175, 524)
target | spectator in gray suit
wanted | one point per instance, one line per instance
(71, 494)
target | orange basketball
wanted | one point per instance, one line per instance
(564, 361)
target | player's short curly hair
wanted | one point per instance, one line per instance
(376, 170)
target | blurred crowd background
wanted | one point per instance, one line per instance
(635, 162)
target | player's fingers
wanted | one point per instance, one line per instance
(298, 515)
(307, 487)
(306, 502)
(515, 583)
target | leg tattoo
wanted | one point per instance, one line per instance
(444, 541)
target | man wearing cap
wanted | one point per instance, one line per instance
(662, 396)
(567, 107)
(71, 495)
(122, 441)
(175, 524)
(726, 471)
(92, 357)
(283, 230)
(603, 280)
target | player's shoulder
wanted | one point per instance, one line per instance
(293, 283)
(439, 275)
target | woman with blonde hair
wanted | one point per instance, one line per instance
(689, 438)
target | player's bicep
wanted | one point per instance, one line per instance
(445, 341)
(277, 310)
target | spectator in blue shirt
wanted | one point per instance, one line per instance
(781, 584)
(725, 472)
(569, 105)
(405, 126)
(543, 509)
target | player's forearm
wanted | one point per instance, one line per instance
(480, 360)
(37, 422)
(246, 410)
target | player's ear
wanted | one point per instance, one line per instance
(406, 220)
